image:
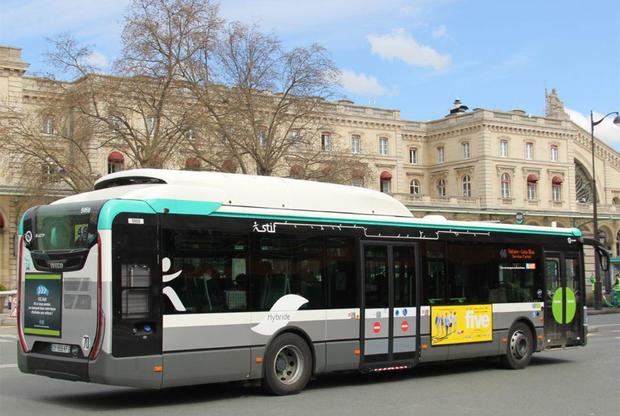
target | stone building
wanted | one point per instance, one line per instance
(475, 164)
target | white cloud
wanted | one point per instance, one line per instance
(361, 84)
(98, 60)
(440, 32)
(401, 45)
(607, 131)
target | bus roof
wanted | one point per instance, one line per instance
(279, 198)
(259, 191)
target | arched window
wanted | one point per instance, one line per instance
(618, 243)
(385, 181)
(531, 187)
(583, 184)
(615, 202)
(116, 162)
(441, 188)
(467, 186)
(505, 185)
(357, 177)
(414, 187)
(193, 163)
(229, 166)
(556, 188)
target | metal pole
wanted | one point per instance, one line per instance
(598, 292)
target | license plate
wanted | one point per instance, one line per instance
(62, 348)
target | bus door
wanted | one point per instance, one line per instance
(136, 286)
(563, 300)
(389, 317)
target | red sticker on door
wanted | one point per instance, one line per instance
(404, 326)
(376, 327)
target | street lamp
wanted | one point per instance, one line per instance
(598, 290)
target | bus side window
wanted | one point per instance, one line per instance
(340, 272)
(469, 273)
(211, 269)
(434, 277)
(289, 264)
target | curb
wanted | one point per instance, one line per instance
(604, 311)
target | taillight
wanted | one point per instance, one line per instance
(20, 260)
(94, 352)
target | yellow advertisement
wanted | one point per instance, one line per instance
(460, 324)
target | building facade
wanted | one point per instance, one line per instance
(469, 165)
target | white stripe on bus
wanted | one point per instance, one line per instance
(517, 307)
(240, 318)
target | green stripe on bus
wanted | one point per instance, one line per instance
(37, 331)
(152, 206)
(43, 276)
(113, 207)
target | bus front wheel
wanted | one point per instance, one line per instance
(287, 365)
(520, 347)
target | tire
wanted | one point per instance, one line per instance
(287, 366)
(520, 347)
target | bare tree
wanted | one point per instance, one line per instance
(143, 107)
(229, 97)
(263, 107)
(50, 149)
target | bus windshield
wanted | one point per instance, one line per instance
(62, 227)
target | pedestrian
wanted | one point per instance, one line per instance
(616, 291)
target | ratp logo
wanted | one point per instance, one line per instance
(42, 291)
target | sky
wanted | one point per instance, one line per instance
(417, 56)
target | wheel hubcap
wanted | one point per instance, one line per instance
(519, 347)
(288, 364)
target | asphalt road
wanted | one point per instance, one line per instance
(580, 382)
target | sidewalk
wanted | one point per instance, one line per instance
(6, 320)
(604, 311)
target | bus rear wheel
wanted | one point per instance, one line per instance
(287, 365)
(520, 347)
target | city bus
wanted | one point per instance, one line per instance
(161, 278)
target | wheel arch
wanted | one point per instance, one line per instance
(527, 321)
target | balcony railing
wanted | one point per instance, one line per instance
(427, 200)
